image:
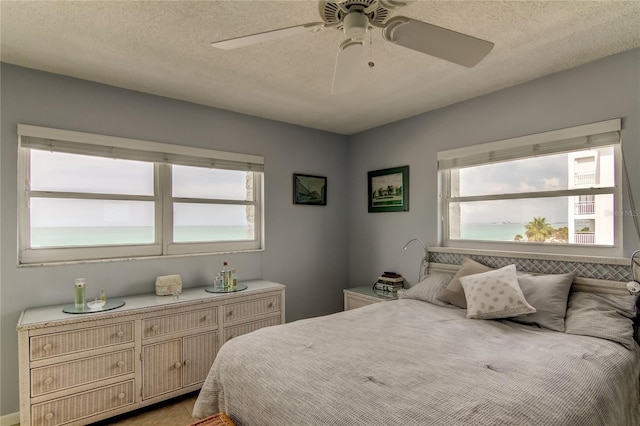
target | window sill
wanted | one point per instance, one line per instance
(128, 259)
(593, 254)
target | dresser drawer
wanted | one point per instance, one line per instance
(66, 375)
(251, 308)
(168, 324)
(50, 345)
(239, 330)
(79, 406)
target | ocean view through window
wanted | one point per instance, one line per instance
(68, 236)
(533, 190)
(497, 231)
(86, 196)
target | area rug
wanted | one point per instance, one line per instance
(220, 419)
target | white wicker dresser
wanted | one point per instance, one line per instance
(78, 369)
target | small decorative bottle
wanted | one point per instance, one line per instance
(234, 280)
(79, 295)
(103, 295)
(225, 276)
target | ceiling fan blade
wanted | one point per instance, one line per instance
(350, 57)
(436, 41)
(248, 40)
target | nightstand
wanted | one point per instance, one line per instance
(362, 296)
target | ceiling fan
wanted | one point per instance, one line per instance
(356, 17)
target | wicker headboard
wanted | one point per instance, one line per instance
(595, 274)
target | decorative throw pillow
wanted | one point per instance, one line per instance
(454, 293)
(427, 289)
(495, 294)
(607, 316)
(548, 294)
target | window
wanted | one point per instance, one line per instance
(212, 205)
(87, 196)
(556, 191)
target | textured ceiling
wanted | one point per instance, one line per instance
(164, 48)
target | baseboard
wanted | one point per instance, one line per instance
(10, 419)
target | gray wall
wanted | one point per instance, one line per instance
(306, 246)
(598, 91)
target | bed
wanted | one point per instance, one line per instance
(420, 361)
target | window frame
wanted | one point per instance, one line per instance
(447, 174)
(172, 248)
(162, 199)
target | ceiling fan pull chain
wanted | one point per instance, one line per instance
(371, 61)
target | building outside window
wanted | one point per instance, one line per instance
(590, 216)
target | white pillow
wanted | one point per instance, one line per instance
(495, 294)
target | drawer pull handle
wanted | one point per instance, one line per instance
(177, 365)
(230, 312)
(230, 337)
(154, 328)
(120, 363)
(48, 381)
(187, 362)
(48, 416)
(270, 305)
(47, 347)
(121, 395)
(120, 333)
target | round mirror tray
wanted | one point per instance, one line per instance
(212, 289)
(92, 307)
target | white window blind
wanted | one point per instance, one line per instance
(72, 142)
(554, 142)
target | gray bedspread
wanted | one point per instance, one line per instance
(408, 362)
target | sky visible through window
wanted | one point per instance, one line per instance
(60, 172)
(526, 175)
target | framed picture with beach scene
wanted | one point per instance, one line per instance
(389, 190)
(309, 189)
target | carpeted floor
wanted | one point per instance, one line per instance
(176, 412)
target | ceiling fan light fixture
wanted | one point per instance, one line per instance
(356, 25)
(355, 18)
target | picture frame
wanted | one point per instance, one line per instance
(388, 190)
(309, 189)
